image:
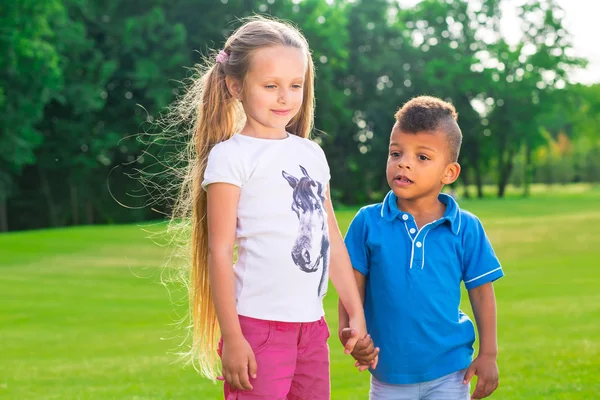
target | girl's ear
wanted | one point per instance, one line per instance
(234, 86)
(451, 174)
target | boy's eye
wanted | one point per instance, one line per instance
(423, 157)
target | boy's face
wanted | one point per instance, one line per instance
(419, 164)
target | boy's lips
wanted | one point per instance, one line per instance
(281, 112)
(402, 180)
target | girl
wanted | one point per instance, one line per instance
(258, 182)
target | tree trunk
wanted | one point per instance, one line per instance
(464, 176)
(90, 212)
(505, 172)
(369, 185)
(74, 205)
(479, 182)
(3, 214)
(48, 196)
(527, 172)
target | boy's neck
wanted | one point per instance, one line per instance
(424, 209)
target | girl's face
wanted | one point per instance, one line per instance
(272, 92)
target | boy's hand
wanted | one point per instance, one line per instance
(239, 363)
(365, 353)
(486, 369)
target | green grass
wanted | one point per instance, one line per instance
(83, 314)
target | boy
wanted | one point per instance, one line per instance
(410, 254)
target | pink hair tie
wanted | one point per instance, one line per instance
(222, 57)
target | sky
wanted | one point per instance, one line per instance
(580, 20)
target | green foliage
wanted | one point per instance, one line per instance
(30, 76)
(83, 81)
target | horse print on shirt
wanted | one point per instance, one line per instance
(311, 248)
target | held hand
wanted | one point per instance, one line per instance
(358, 328)
(238, 363)
(365, 353)
(486, 369)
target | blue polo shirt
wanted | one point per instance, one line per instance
(413, 287)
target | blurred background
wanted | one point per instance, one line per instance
(83, 313)
(81, 80)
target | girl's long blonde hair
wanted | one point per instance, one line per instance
(215, 116)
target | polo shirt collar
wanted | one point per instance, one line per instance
(390, 210)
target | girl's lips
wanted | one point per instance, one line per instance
(281, 112)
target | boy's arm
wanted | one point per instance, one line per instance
(484, 366)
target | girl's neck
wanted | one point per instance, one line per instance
(424, 210)
(264, 133)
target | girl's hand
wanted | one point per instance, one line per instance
(239, 363)
(358, 327)
(365, 353)
(356, 330)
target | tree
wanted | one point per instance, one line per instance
(111, 62)
(450, 38)
(30, 76)
(524, 75)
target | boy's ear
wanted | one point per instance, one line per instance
(451, 174)
(234, 86)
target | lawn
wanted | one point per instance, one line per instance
(84, 315)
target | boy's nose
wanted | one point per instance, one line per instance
(403, 163)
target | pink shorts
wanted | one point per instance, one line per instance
(292, 359)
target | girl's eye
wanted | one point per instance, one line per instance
(297, 86)
(395, 154)
(423, 157)
(270, 86)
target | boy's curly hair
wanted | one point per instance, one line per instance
(429, 114)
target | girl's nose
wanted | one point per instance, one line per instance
(283, 96)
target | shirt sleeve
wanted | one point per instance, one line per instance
(223, 167)
(480, 262)
(323, 157)
(356, 243)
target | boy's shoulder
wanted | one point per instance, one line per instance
(371, 209)
(369, 214)
(468, 221)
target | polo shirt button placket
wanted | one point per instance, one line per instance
(417, 245)
(418, 249)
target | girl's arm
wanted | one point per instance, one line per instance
(237, 356)
(365, 351)
(342, 277)
(343, 318)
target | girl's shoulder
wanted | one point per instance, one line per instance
(243, 147)
(310, 144)
(229, 144)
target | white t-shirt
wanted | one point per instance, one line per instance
(281, 273)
